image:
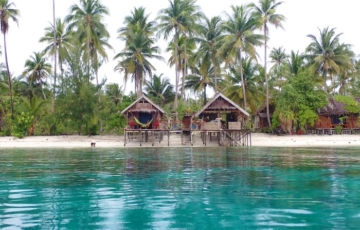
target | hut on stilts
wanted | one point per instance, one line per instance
(222, 120)
(145, 122)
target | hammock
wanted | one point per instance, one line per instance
(146, 125)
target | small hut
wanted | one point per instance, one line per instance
(261, 120)
(335, 114)
(145, 116)
(224, 118)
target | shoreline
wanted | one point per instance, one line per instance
(117, 141)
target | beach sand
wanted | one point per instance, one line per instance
(112, 141)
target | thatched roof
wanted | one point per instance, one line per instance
(221, 103)
(334, 108)
(143, 104)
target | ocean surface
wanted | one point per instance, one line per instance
(180, 188)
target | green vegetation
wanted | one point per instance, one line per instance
(217, 54)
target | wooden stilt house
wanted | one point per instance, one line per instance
(144, 118)
(225, 119)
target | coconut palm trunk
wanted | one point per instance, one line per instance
(176, 69)
(9, 78)
(242, 78)
(184, 73)
(266, 77)
(55, 58)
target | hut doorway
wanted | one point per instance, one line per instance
(145, 117)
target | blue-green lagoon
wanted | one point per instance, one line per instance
(180, 188)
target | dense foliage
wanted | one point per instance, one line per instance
(216, 54)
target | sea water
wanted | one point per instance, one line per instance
(180, 188)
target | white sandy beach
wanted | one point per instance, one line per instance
(112, 141)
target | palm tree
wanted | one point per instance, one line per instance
(160, 89)
(137, 20)
(115, 93)
(6, 13)
(327, 56)
(253, 76)
(239, 39)
(203, 75)
(37, 69)
(266, 11)
(86, 19)
(64, 42)
(180, 19)
(178, 54)
(35, 108)
(58, 48)
(135, 57)
(279, 59)
(210, 32)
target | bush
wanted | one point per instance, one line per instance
(21, 125)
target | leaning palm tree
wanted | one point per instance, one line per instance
(37, 70)
(6, 13)
(327, 56)
(87, 20)
(266, 11)
(240, 38)
(179, 18)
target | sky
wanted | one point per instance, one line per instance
(303, 17)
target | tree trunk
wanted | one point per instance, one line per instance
(184, 73)
(176, 71)
(242, 79)
(205, 85)
(55, 58)
(9, 78)
(266, 79)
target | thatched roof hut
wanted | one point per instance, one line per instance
(143, 112)
(221, 104)
(334, 108)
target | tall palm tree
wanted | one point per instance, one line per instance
(266, 11)
(135, 57)
(58, 49)
(37, 69)
(210, 31)
(138, 19)
(8, 12)
(179, 19)
(202, 76)
(240, 38)
(64, 41)
(178, 54)
(87, 20)
(327, 56)
(253, 78)
(279, 59)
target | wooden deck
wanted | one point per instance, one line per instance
(228, 137)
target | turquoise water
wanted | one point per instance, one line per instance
(180, 188)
